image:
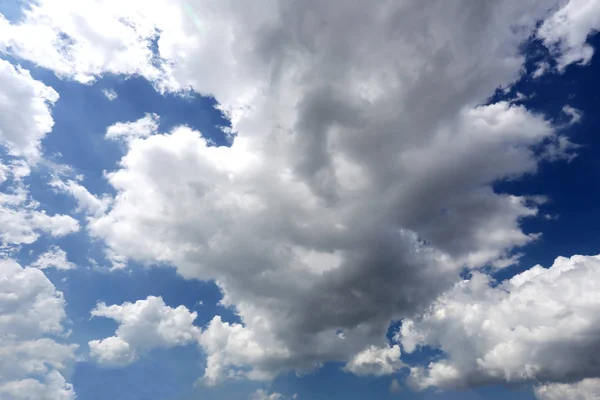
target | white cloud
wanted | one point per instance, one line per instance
(538, 326)
(359, 182)
(110, 94)
(54, 387)
(84, 39)
(22, 222)
(30, 304)
(143, 325)
(566, 31)
(231, 345)
(358, 212)
(94, 206)
(31, 364)
(587, 389)
(143, 127)
(55, 257)
(260, 394)
(542, 68)
(376, 361)
(25, 109)
(572, 112)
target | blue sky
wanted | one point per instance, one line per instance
(220, 233)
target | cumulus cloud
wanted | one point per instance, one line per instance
(587, 389)
(357, 255)
(30, 363)
(359, 181)
(376, 361)
(92, 205)
(54, 387)
(21, 219)
(55, 257)
(143, 127)
(539, 326)
(25, 110)
(567, 30)
(371, 208)
(83, 39)
(143, 325)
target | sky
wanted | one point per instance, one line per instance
(278, 200)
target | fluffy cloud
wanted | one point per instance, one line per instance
(539, 326)
(567, 30)
(30, 363)
(92, 205)
(24, 105)
(143, 325)
(143, 127)
(55, 257)
(376, 361)
(359, 182)
(54, 387)
(356, 254)
(587, 389)
(84, 39)
(21, 219)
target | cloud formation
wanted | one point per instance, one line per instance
(25, 109)
(375, 361)
(587, 389)
(30, 362)
(360, 178)
(144, 325)
(539, 326)
(55, 257)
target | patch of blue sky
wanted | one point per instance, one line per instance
(573, 215)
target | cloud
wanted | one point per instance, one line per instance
(572, 112)
(30, 309)
(360, 178)
(567, 30)
(375, 361)
(94, 206)
(82, 40)
(541, 68)
(539, 326)
(55, 257)
(143, 127)
(357, 261)
(25, 109)
(587, 389)
(110, 94)
(143, 325)
(53, 387)
(358, 183)
(22, 221)
(260, 394)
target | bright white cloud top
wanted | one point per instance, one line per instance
(539, 325)
(30, 309)
(357, 187)
(143, 325)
